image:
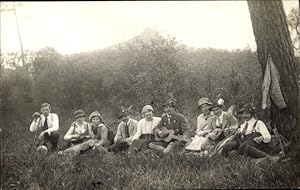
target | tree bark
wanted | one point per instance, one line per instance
(272, 37)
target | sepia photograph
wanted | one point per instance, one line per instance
(150, 95)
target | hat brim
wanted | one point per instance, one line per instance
(172, 105)
(213, 107)
(80, 115)
(123, 115)
(208, 103)
(45, 105)
(94, 116)
(245, 109)
(147, 110)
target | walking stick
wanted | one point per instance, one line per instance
(277, 135)
(34, 139)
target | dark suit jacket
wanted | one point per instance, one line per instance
(178, 123)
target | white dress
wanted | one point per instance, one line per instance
(199, 142)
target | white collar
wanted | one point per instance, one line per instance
(129, 120)
(149, 120)
(251, 121)
(207, 116)
(221, 116)
(83, 124)
(45, 116)
(96, 125)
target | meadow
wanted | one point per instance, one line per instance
(23, 168)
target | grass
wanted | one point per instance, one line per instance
(22, 168)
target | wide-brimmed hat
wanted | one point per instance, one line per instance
(42, 150)
(247, 107)
(202, 101)
(79, 113)
(147, 108)
(169, 102)
(95, 114)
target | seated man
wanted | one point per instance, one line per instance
(171, 121)
(251, 138)
(47, 125)
(144, 134)
(125, 132)
(79, 135)
(223, 124)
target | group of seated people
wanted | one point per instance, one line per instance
(218, 132)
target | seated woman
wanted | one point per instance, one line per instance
(99, 131)
(78, 135)
(144, 134)
(200, 141)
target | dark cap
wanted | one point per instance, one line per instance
(247, 107)
(123, 114)
(169, 102)
(214, 105)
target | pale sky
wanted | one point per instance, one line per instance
(72, 27)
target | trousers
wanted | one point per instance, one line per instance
(246, 146)
(50, 141)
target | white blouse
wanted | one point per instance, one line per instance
(146, 127)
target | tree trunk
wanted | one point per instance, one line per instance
(273, 38)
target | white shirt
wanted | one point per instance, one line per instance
(260, 128)
(219, 120)
(52, 121)
(128, 122)
(76, 128)
(80, 129)
(202, 123)
(146, 127)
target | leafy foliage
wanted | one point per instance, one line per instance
(138, 72)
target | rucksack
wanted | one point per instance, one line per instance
(274, 145)
(110, 135)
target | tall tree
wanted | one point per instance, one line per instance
(294, 24)
(273, 38)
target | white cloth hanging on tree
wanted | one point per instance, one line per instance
(271, 87)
